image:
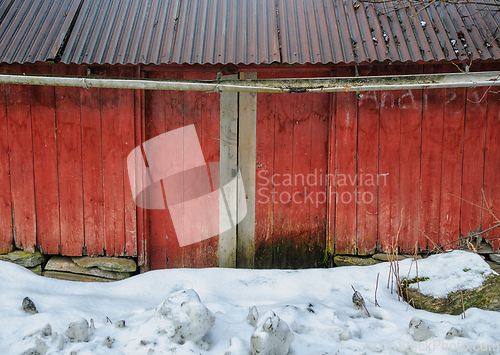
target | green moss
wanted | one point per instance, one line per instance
(415, 280)
(466, 269)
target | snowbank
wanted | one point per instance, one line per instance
(211, 307)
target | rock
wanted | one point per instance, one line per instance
(36, 270)
(65, 264)
(190, 319)
(120, 324)
(386, 257)
(73, 277)
(494, 266)
(420, 329)
(109, 341)
(253, 315)
(456, 332)
(495, 258)
(485, 297)
(41, 347)
(20, 257)
(29, 306)
(106, 263)
(345, 260)
(358, 301)
(271, 336)
(78, 331)
(485, 248)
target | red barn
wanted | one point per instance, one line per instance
(345, 167)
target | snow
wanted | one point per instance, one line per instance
(213, 307)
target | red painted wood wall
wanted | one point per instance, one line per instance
(351, 172)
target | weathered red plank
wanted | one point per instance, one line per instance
(301, 195)
(174, 118)
(410, 104)
(346, 160)
(45, 165)
(155, 108)
(195, 180)
(451, 176)
(368, 148)
(210, 146)
(473, 161)
(389, 211)
(331, 184)
(69, 151)
(112, 166)
(282, 194)
(320, 121)
(127, 115)
(432, 143)
(93, 199)
(21, 163)
(142, 213)
(263, 187)
(6, 232)
(492, 167)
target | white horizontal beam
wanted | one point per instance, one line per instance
(361, 83)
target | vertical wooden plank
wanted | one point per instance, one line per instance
(389, 210)
(21, 163)
(264, 171)
(346, 168)
(301, 196)
(142, 213)
(431, 159)
(318, 207)
(368, 150)
(93, 195)
(157, 219)
(247, 145)
(6, 232)
(473, 161)
(45, 165)
(210, 145)
(283, 167)
(492, 167)
(112, 166)
(332, 164)
(229, 155)
(410, 104)
(174, 119)
(69, 149)
(451, 176)
(195, 180)
(128, 144)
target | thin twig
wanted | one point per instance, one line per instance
(463, 306)
(360, 301)
(376, 288)
(418, 281)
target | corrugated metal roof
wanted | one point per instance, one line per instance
(245, 31)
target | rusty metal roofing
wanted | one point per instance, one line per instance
(246, 31)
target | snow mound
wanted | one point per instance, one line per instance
(447, 273)
(216, 312)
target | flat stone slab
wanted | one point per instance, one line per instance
(399, 257)
(495, 257)
(65, 264)
(20, 257)
(74, 277)
(36, 270)
(485, 297)
(346, 260)
(106, 263)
